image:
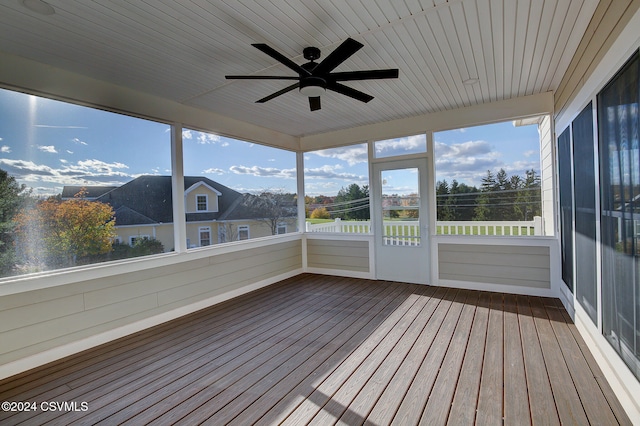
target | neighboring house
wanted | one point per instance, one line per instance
(214, 212)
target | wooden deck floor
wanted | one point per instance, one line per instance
(324, 350)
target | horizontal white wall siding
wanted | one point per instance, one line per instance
(35, 321)
(521, 266)
(338, 254)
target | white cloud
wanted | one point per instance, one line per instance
(528, 154)
(78, 141)
(214, 171)
(264, 171)
(88, 172)
(353, 154)
(202, 138)
(5, 149)
(332, 172)
(399, 146)
(47, 148)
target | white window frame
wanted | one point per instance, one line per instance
(281, 225)
(200, 231)
(241, 229)
(206, 203)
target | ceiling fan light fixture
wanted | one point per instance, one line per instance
(39, 6)
(313, 91)
(313, 86)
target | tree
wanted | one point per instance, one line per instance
(58, 233)
(443, 201)
(272, 208)
(352, 203)
(320, 213)
(12, 197)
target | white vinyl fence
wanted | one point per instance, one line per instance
(406, 229)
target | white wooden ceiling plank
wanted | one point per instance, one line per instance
(509, 36)
(374, 9)
(448, 66)
(470, 10)
(98, 53)
(521, 20)
(393, 10)
(535, 15)
(265, 31)
(488, 46)
(288, 21)
(542, 40)
(334, 17)
(497, 29)
(563, 39)
(582, 23)
(128, 24)
(307, 26)
(555, 27)
(438, 67)
(202, 26)
(466, 59)
(416, 68)
(413, 6)
(403, 96)
(427, 65)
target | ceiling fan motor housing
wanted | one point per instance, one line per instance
(311, 53)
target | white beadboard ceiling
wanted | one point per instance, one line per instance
(181, 50)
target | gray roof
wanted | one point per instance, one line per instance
(148, 199)
(92, 191)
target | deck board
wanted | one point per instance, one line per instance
(322, 350)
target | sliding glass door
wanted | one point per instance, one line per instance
(619, 130)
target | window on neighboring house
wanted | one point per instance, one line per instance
(282, 228)
(486, 183)
(114, 168)
(202, 204)
(243, 232)
(336, 186)
(133, 240)
(205, 236)
(245, 183)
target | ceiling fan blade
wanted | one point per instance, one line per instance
(338, 56)
(281, 58)
(278, 93)
(348, 91)
(364, 75)
(314, 103)
(260, 77)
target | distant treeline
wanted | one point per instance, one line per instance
(500, 197)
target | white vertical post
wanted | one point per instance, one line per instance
(538, 225)
(302, 226)
(177, 189)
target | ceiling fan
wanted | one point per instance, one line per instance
(314, 78)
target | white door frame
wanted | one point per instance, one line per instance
(402, 263)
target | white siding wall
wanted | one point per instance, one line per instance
(510, 265)
(547, 170)
(43, 324)
(326, 255)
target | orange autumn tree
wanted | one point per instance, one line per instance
(59, 233)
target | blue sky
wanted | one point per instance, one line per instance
(47, 144)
